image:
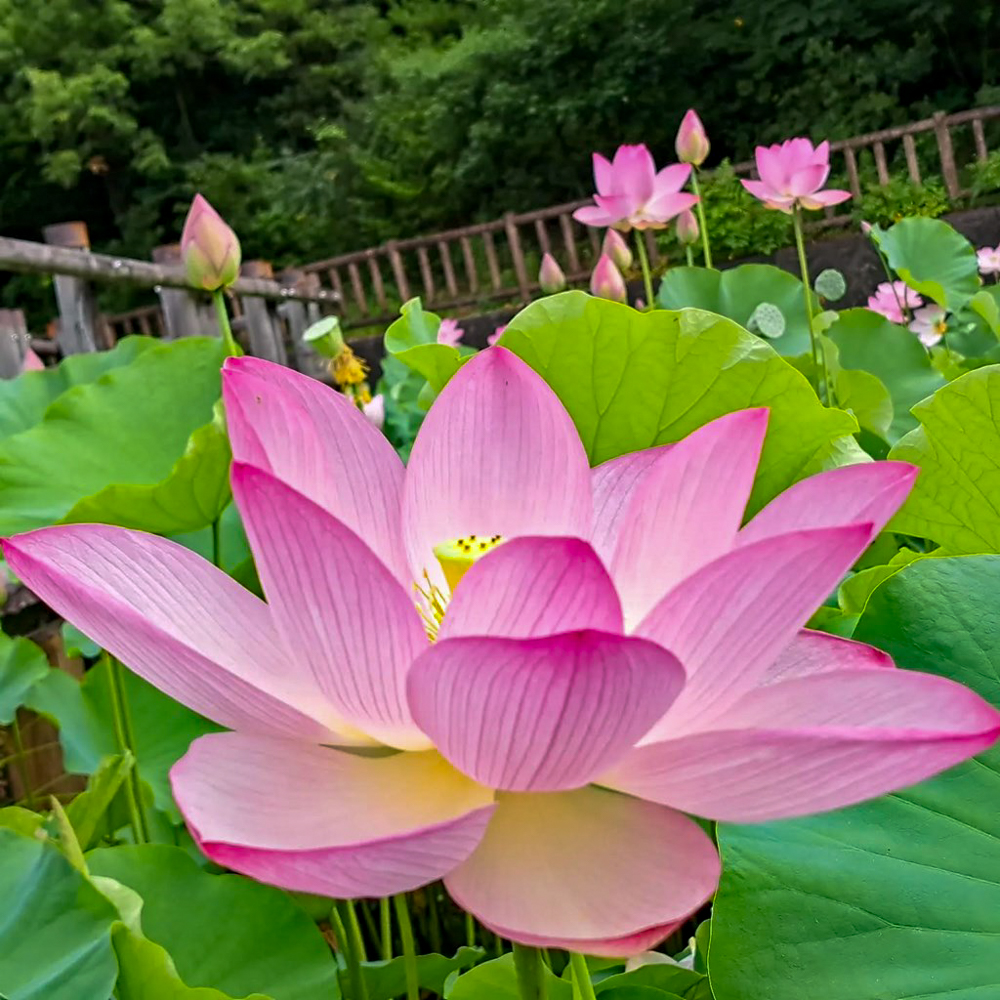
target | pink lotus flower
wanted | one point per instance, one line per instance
(989, 260)
(606, 281)
(631, 194)
(609, 649)
(892, 298)
(374, 411)
(496, 334)
(692, 143)
(209, 248)
(930, 324)
(687, 228)
(793, 174)
(449, 332)
(615, 247)
(550, 275)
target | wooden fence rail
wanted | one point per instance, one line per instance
(497, 261)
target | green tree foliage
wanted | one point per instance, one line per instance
(320, 126)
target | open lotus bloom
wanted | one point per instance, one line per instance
(792, 174)
(891, 298)
(449, 332)
(930, 324)
(501, 667)
(632, 194)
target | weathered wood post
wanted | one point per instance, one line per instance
(947, 153)
(517, 256)
(13, 342)
(263, 333)
(185, 314)
(81, 327)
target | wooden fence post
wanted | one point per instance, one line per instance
(13, 342)
(184, 314)
(263, 333)
(81, 328)
(514, 242)
(296, 315)
(948, 169)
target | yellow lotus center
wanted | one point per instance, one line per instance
(455, 558)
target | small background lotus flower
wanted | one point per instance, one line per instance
(792, 174)
(687, 228)
(209, 248)
(606, 281)
(631, 194)
(989, 260)
(692, 143)
(615, 247)
(894, 300)
(497, 333)
(930, 324)
(374, 411)
(590, 656)
(550, 275)
(449, 332)
(31, 362)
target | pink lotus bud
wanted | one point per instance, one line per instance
(692, 141)
(607, 282)
(497, 333)
(32, 362)
(550, 275)
(209, 248)
(617, 249)
(687, 228)
(866, 228)
(374, 410)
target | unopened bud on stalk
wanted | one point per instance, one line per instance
(550, 275)
(209, 248)
(687, 228)
(607, 282)
(617, 249)
(692, 143)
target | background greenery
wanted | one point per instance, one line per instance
(322, 126)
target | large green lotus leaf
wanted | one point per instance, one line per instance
(497, 980)
(932, 258)
(737, 292)
(956, 499)
(412, 339)
(223, 931)
(632, 380)
(899, 897)
(163, 729)
(130, 426)
(55, 927)
(24, 400)
(869, 342)
(194, 493)
(22, 665)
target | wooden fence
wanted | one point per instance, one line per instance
(269, 313)
(498, 261)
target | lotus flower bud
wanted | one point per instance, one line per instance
(607, 282)
(687, 228)
(617, 249)
(692, 141)
(866, 228)
(550, 275)
(374, 410)
(209, 248)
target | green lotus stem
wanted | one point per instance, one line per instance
(122, 723)
(819, 358)
(409, 948)
(349, 943)
(581, 976)
(690, 256)
(470, 930)
(217, 542)
(222, 315)
(354, 929)
(22, 764)
(701, 217)
(647, 277)
(385, 927)
(435, 920)
(530, 972)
